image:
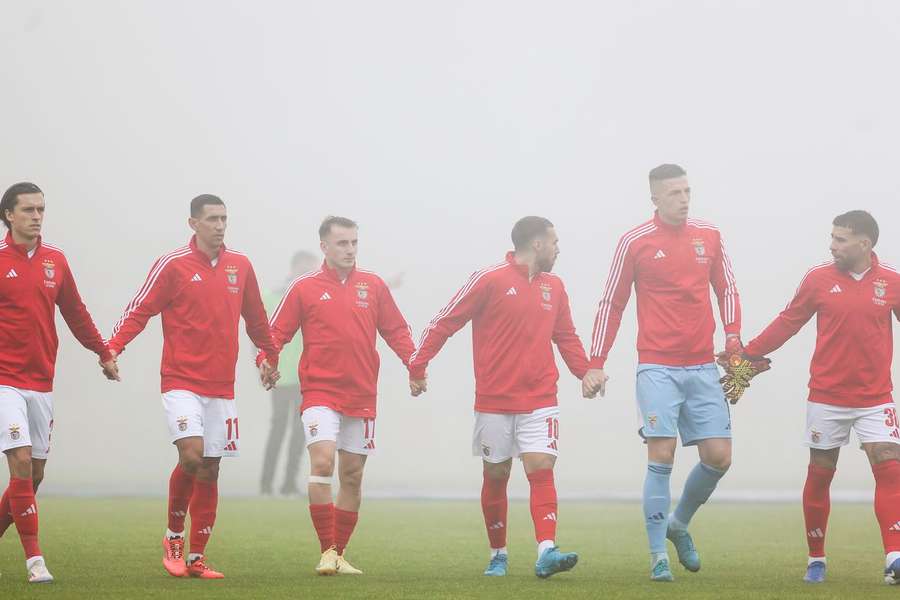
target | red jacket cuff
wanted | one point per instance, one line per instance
(105, 356)
(417, 372)
(596, 362)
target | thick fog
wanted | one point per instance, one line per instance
(436, 125)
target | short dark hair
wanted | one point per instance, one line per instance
(666, 171)
(528, 228)
(11, 197)
(325, 227)
(202, 200)
(859, 222)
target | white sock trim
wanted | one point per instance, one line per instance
(812, 559)
(319, 479)
(890, 558)
(496, 551)
(30, 562)
(544, 545)
(174, 534)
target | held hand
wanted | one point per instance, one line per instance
(418, 387)
(267, 375)
(594, 382)
(110, 369)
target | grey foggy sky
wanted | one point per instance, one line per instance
(436, 125)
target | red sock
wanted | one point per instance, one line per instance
(323, 520)
(344, 523)
(5, 514)
(181, 487)
(543, 504)
(887, 502)
(24, 510)
(494, 505)
(203, 505)
(816, 506)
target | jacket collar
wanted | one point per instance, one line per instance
(333, 274)
(20, 248)
(201, 254)
(666, 226)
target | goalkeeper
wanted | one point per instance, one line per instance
(671, 261)
(853, 297)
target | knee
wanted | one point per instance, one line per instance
(720, 462)
(498, 470)
(191, 462)
(351, 478)
(322, 466)
(19, 460)
(208, 470)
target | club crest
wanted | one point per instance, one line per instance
(14, 432)
(182, 423)
(231, 273)
(49, 268)
(699, 247)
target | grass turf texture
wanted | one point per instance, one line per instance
(110, 548)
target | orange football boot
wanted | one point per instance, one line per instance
(173, 557)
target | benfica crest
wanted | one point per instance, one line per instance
(14, 432)
(880, 288)
(49, 268)
(182, 423)
(699, 248)
(231, 273)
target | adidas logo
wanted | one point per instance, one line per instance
(231, 447)
(370, 445)
(818, 533)
(325, 296)
(32, 510)
(196, 277)
(659, 254)
(178, 513)
(511, 291)
(836, 289)
(895, 526)
(12, 273)
(550, 517)
(552, 445)
(497, 525)
(205, 531)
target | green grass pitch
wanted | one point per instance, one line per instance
(109, 548)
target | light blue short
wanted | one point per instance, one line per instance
(685, 400)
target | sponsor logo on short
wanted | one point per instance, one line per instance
(552, 445)
(231, 447)
(895, 527)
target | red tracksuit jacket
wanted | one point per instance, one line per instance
(339, 364)
(851, 365)
(201, 306)
(29, 290)
(671, 268)
(514, 321)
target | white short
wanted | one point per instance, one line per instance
(352, 434)
(828, 426)
(26, 419)
(499, 437)
(213, 419)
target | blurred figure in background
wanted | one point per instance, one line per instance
(286, 395)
